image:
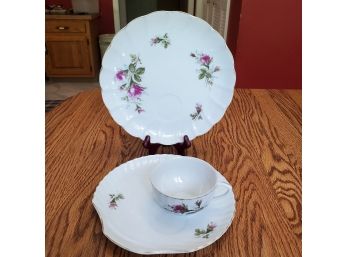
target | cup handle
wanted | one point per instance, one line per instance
(225, 184)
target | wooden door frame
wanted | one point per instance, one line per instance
(116, 12)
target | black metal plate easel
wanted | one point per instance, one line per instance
(180, 147)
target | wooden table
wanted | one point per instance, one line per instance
(257, 146)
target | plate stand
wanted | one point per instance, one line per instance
(180, 147)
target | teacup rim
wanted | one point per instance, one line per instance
(193, 198)
(177, 198)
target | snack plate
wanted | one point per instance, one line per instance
(132, 220)
(166, 75)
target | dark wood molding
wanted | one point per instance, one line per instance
(233, 25)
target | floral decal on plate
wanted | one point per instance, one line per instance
(183, 208)
(131, 78)
(206, 70)
(197, 114)
(204, 233)
(114, 199)
(163, 40)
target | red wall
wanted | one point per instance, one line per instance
(106, 20)
(268, 48)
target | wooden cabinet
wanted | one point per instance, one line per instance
(72, 46)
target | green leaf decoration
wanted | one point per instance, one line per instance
(118, 197)
(163, 40)
(140, 71)
(204, 233)
(133, 58)
(133, 77)
(137, 78)
(130, 82)
(131, 67)
(205, 71)
(201, 75)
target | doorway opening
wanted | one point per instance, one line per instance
(215, 12)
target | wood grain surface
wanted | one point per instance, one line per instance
(257, 147)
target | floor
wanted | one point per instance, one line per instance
(51, 104)
(57, 90)
(61, 89)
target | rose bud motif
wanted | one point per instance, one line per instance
(211, 227)
(139, 109)
(198, 203)
(120, 75)
(155, 40)
(112, 204)
(206, 59)
(198, 108)
(179, 208)
(135, 90)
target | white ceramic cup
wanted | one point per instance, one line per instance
(186, 185)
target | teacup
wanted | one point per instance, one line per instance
(186, 185)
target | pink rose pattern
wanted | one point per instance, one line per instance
(179, 208)
(114, 199)
(206, 71)
(183, 208)
(163, 40)
(131, 78)
(197, 115)
(204, 233)
(120, 75)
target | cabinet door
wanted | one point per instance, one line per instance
(67, 55)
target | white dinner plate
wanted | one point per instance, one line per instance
(132, 219)
(167, 74)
